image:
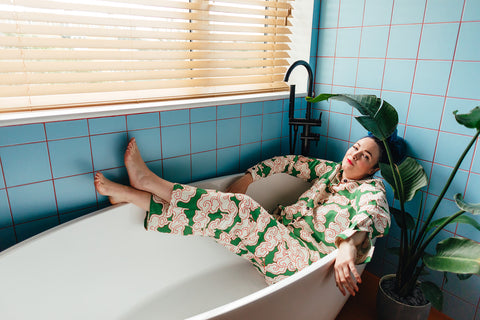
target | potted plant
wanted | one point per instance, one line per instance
(455, 255)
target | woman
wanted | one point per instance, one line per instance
(345, 208)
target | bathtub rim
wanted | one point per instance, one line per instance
(328, 259)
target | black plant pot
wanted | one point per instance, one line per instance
(390, 309)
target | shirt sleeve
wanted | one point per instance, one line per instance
(302, 167)
(372, 216)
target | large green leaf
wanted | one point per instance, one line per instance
(320, 97)
(394, 250)
(386, 119)
(413, 177)
(379, 117)
(366, 104)
(469, 120)
(460, 219)
(473, 208)
(433, 294)
(400, 217)
(455, 255)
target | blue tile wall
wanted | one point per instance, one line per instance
(467, 42)
(348, 42)
(25, 163)
(5, 216)
(431, 77)
(326, 40)
(22, 134)
(377, 12)
(175, 117)
(443, 10)
(426, 111)
(408, 11)
(351, 13)
(66, 129)
(203, 114)
(471, 11)
(249, 155)
(204, 165)
(251, 129)
(398, 75)
(403, 42)
(228, 132)
(107, 125)
(228, 111)
(272, 126)
(70, 156)
(107, 150)
(464, 79)
(431, 48)
(69, 199)
(391, 49)
(142, 121)
(47, 169)
(374, 41)
(252, 108)
(204, 136)
(32, 201)
(176, 141)
(228, 160)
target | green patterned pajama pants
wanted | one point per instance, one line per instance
(237, 222)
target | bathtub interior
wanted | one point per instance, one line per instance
(105, 266)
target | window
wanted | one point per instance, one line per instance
(71, 53)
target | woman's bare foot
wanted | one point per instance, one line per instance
(142, 178)
(138, 172)
(117, 193)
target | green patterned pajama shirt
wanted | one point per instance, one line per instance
(291, 238)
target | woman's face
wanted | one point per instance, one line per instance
(361, 159)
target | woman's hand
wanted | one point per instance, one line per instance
(240, 185)
(346, 275)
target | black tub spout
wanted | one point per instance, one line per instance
(310, 82)
(307, 136)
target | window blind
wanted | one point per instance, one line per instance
(71, 53)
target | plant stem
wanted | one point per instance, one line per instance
(444, 190)
(437, 230)
(409, 284)
(404, 235)
(417, 223)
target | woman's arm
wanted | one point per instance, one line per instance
(298, 166)
(345, 263)
(241, 185)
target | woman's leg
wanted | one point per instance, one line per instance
(235, 220)
(119, 193)
(141, 177)
(238, 223)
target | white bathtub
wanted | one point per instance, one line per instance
(106, 266)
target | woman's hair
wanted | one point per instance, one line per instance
(396, 145)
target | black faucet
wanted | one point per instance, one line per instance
(306, 122)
